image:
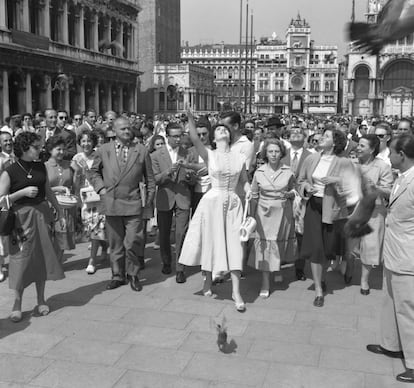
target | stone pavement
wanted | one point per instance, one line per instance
(164, 336)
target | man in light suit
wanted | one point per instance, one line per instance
(397, 316)
(169, 164)
(295, 157)
(116, 173)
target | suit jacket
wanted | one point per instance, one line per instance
(172, 190)
(399, 228)
(352, 146)
(286, 160)
(70, 143)
(333, 204)
(122, 183)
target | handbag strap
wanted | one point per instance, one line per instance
(246, 208)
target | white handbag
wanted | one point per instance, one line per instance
(248, 225)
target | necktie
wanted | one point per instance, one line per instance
(294, 163)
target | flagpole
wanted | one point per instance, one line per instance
(240, 54)
(247, 57)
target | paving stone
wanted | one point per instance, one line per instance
(262, 314)
(236, 327)
(378, 381)
(342, 338)
(156, 336)
(199, 307)
(21, 369)
(93, 352)
(94, 312)
(289, 376)
(356, 360)
(274, 331)
(141, 301)
(321, 319)
(94, 330)
(152, 359)
(227, 369)
(132, 379)
(207, 343)
(78, 375)
(29, 344)
(285, 352)
(167, 319)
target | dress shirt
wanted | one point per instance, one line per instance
(400, 179)
(121, 151)
(173, 153)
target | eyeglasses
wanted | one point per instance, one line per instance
(381, 136)
(62, 118)
(201, 134)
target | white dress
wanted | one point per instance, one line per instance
(212, 239)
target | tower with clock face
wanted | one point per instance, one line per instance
(298, 46)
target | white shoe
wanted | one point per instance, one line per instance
(90, 269)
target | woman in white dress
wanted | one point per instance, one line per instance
(213, 237)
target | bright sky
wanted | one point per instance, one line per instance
(213, 21)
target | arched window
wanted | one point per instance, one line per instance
(399, 73)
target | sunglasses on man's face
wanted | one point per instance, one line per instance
(62, 118)
(202, 134)
(381, 136)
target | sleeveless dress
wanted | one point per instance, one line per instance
(212, 239)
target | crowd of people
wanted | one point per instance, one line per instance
(196, 180)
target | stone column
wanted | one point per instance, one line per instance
(82, 94)
(46, 18)
(81, 29)
(120, 50)
(3, 15)
(28, 93)
(96, 96)
(108, 36)
(64, 25)
(108, 97)
(25, 21)
(95, 45)
(6, 106)
(48, 92)
(66, 97)
(121, 99)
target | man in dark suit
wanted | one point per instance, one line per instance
(295, 158)
(116, 173)
(89, 123)
(170, 164)
(351, 145)
(68, 135)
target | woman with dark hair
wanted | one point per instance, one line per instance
(157, 141)
(213, 237)
(100, 137)
(376, 173)
(321, 181)
(62, 181)
(272, 193)
(92, 215)
(33, 257)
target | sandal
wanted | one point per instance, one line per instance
(16, 316)
(43, 309)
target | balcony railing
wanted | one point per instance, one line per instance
(89, 56)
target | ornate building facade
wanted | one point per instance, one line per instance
(159, 42)
(180, 85)
(68, 54)
(382, 84)
(287, 76)
(232, 81)
(295, 75)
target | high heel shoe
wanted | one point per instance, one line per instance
(240, 307)
(319, 301)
